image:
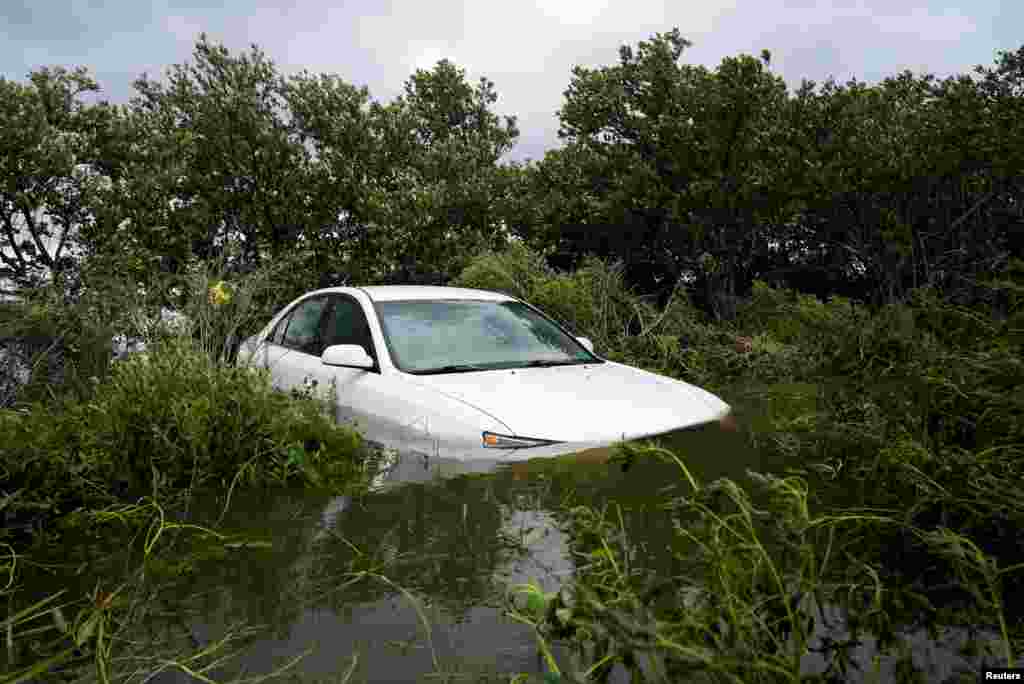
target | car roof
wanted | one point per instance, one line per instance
(392, 293)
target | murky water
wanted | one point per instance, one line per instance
(406, 582)
(454, 545)
(452, 548)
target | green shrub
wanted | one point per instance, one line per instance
(164, 422)
(60, 346)
(594, 301)
(517, 271)
(790, 318)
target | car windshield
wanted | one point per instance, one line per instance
(452, 336)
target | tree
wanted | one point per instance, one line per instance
(333, 121)
(722, 176)
(901, 184)
(687, 158)
(54, 169)
(415, 182)
(436, 192)
(221, 157)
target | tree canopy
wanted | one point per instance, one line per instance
(707, 177)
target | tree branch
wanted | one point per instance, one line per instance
(977, 205)
(44, 256)
(9, 231)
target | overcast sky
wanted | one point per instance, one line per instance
(527, 47)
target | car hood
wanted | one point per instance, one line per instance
(596, 403)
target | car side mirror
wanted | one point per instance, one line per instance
(348, 355)
(586, 342)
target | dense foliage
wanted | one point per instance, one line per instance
(846, 256)
(713, 177)
(162, 423)
(723, 177)
(900, 429)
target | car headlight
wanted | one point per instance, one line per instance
(496, 441)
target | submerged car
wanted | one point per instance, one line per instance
(466, 374)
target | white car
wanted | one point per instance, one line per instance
(466, 374)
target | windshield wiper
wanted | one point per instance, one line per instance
(451, 368)
(547, 364)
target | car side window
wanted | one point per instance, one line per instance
(303, 331)
(276, 336)
(345, 323)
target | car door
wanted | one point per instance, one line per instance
(377, 404)
(295, 344)
(384, 405)
(345, 322)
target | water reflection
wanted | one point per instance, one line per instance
(453, 536)
(409, 579)
(452, 546)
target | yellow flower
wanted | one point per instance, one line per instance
(220, 293)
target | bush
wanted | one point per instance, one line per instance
(48, 348)
(164, 422)
(593, 301)
(60, 340)
(790, 318)
(516, 271)
(212, 304)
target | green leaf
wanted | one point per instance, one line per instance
(87, 628)
(296, 456)
(537, 604)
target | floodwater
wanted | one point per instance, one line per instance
(406, 583)
(454, 546)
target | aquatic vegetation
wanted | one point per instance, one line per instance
(766, 588)
(901, 424)
(112, 632)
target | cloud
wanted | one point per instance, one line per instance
(183, 29)
(946, 26)
(572, 12)
(527, 48)
(863, 39)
